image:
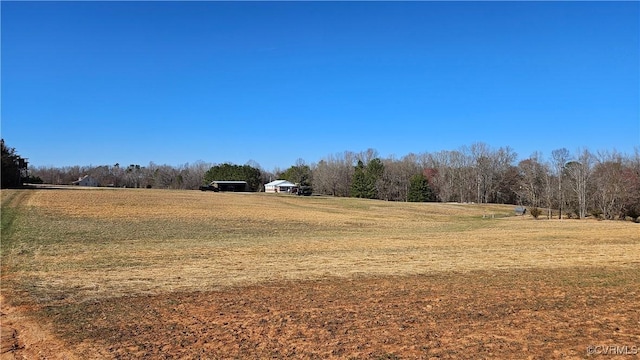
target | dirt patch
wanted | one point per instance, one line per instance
(23, 337)
(137, 274)
(505, 314)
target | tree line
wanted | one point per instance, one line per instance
(604, 184)
(186, 176)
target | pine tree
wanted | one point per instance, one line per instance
(13, 167)
(419, 190)
(365, 179)
(359, 183)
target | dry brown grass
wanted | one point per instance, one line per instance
(113, 273)
(77, 245)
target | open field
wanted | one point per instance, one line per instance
(127, 273)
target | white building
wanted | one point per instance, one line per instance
(86, 181)
(279, 186)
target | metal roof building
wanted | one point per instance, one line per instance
(280, 186)
(230, 185)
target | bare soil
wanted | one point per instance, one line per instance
(137, 274)
(535, 314)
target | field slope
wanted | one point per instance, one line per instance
(128, 273)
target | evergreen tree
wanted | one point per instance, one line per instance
(232, 172)
(365, 179)
(297, 174)
(375, 172)
(419, 190)
(359, 182)
(13, 167)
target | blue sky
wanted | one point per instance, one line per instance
(94, 83)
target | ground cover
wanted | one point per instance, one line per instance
(113, 273)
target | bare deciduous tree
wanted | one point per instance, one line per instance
(333, 174)
(560, 157)
(608, 184)
(579, 173)
(608, 178)
(531, 185)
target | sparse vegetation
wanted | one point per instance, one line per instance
(179, 255)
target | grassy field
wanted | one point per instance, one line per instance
(66, 250)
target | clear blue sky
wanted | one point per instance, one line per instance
(174, 82)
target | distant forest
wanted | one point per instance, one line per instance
(605, 184)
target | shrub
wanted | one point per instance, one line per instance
(535, 212)
(633, 212)
(34, 180)
(597, 214)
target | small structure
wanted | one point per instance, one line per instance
(520, 210)
(229, 185)
(86, 181)
(280, 186)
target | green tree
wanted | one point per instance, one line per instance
(14, 167)
(359, 182)
(419, 189)
(298, 174)
(375, 169)
(365, 179)
(231, 172)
